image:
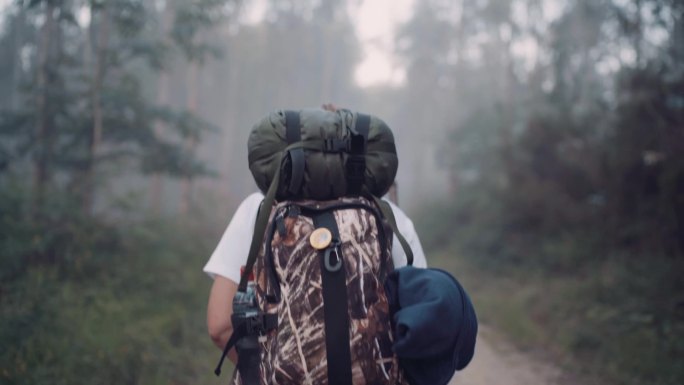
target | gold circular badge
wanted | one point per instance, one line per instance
(320, 238)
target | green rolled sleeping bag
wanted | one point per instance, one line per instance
(322, 154)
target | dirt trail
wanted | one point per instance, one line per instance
(498, 363)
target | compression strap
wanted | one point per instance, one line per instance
(294, 135)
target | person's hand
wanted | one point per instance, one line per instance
(329, 107)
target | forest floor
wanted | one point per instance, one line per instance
(497, 362)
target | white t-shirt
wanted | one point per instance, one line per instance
(233, 248)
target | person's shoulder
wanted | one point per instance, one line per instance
(255, 197)
(403, 221)
(250, 204)
(399, 214)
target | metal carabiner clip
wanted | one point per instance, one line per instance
(332, 265)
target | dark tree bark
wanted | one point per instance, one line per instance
(44, 140)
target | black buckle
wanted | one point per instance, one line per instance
(331, 257)
(254, 324)
(358, 144)
(335, 145)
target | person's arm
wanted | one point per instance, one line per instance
(224, 267)
(219, 310)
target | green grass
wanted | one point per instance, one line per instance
(132, 312)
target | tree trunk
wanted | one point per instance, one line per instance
(232, 126)
(17, 73)
(43, 127)
(190, 141)
(156, 186)
(506, 97)
(677, 34)
(638, 33)
(96, 97)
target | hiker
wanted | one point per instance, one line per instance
(231, 254)
(306, 286)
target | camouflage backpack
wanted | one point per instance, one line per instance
(314, 311)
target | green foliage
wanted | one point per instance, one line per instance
(616, 320)
(85, 300)
(567, 192)
(165, 156)
(63, 145)
(191, 18)
(110, 295)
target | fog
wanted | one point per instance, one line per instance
(423, 67)
(278, 61)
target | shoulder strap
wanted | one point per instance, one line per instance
(259, 229)
(356, 162)
(387, 212)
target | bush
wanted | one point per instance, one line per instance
(85, 301)
(611, 315)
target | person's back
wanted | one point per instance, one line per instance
(299, 269)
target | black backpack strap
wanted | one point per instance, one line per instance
(234, 337)
(259, 229)
(356, 162)
(294, 135)
(266, 322)
(335, 304)
(387, 212)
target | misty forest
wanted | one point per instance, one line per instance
(540, 149)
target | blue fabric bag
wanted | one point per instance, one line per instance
(434, 323)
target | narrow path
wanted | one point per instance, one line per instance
(498, 363)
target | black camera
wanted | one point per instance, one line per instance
(248, 318)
